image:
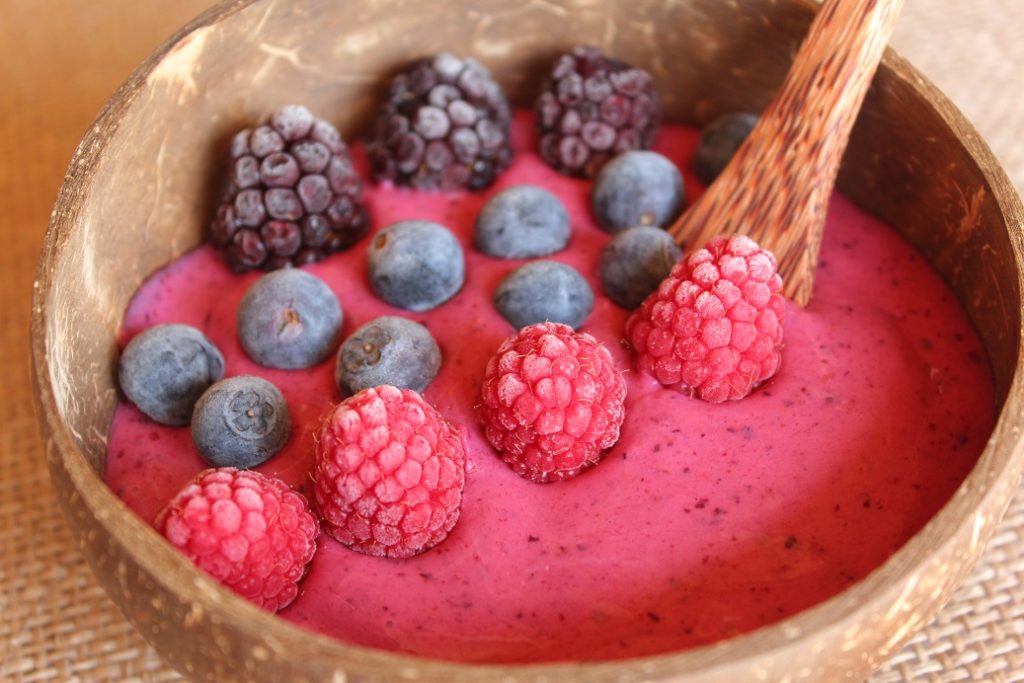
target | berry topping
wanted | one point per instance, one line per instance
(389, 473)
(289, 319)
(416, 265)
(553, 402)
(635, 262)
(165, 369)
(292, 194)
(593, 107)
(544, 291)
(444, 125)
(713, 328)
(719, 142)
(240, 422)
(247, 530)
(523, 221)
(637, 188)
(388, 350)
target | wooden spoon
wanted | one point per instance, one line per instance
(776, 188)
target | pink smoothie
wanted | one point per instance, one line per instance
(703, 522)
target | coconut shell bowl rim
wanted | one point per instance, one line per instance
(863, 624)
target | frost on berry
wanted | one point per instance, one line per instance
(283, 175)
(444, 125)
(713, 328)
(553, 402)
(591, 108)
(390, 473)
(247, 530)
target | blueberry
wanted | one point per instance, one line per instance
(240, 422)
(166, 368)
(388, 350)
(416, 265)
(719, 141)
(544, 291)
(289, 319)
(524, 221)
(635, 262)
(637, 188)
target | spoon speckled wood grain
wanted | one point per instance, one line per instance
(776, 188)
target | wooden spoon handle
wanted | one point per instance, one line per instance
(777, 186)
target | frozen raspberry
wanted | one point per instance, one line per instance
(713, 328)
(591, 108)
(552, 402)
(445, 124)
(292, 194)
(247, 530)
(389, 473)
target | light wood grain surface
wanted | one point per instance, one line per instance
(59, 62)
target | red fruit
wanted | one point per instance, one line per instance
(713, 328)
(389, 473)
(247, 530)
(552, 402)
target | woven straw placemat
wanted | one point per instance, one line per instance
(60, 61)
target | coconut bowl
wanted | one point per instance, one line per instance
(136, 196)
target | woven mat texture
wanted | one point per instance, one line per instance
(60, 60)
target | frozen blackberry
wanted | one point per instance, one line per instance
(292, 194)
(591, 108)
(444, 125)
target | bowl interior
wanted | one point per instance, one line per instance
(138, 195)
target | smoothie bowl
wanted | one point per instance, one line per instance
(138, 197)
